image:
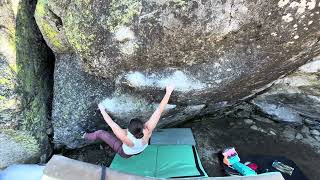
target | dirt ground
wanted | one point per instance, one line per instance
(213, 135)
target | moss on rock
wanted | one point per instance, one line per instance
(47, 21)
(7, 103)
(24, 85)
(52, 35)
(80, 39)
(41, 8)
(18, 147)
(34, 117)
(23, 138)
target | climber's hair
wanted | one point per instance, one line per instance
(136, 128)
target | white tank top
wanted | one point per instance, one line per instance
(138, 145)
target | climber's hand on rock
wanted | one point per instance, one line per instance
(170, 88)
(101, 107)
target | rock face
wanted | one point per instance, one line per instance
(24, 85)
(295, 98)
(76, 96)
(216, 52)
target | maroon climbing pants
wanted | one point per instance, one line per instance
(108, 138)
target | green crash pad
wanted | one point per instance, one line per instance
(162, 161)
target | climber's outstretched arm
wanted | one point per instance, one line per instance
(154, 119)
(117, 130)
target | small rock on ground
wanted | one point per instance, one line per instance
(248, 121)
(289, 133)
(299, 136)
(305, 130)
(244, 114)
(262, 130)
(254, 127)
(315, 132)
(272, 133)
(309, 122)
(262, 119)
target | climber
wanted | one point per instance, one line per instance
(131, 141)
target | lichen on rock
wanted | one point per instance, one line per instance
(18, 147)
(26, 140)
(51, 27)
(122, 13)
(24, 85)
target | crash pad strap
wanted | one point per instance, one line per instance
(196, 160)
(103, 173)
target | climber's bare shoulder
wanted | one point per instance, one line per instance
(147, 134)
